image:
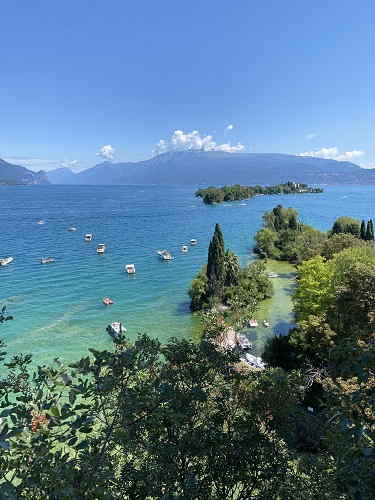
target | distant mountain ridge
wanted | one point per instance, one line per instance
(13, 175)
(219, 168)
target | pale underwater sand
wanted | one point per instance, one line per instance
(57, 307)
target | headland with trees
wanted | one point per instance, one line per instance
(237, 192)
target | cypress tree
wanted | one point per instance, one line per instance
(216, 264)
(293, 224)
(336, 228)
(369, 231)
(362, 233)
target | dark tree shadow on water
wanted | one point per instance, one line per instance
(183, 309)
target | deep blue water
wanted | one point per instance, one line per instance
(57, 307)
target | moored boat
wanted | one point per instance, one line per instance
(107, 301)
(272, 275)
(101, 248)
(116, 329)
(88, 237)
(130, 268)
(5, 261)
(40, 222)
(184, 248)
(193, 241)
(165, 255)
(72, 229)
(47, 260)
(253, 323)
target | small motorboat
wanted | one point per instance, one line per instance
(130, 268)
(184, 248)
(253, 323)
(72, 229)
(193, 242)
(266, 323)
(244, 342)
(165, 255)
(47, 260)
(5, 261)
(272, 275)
(40, 222)
(107, 301)
(88, 237)
(116, 329)
(255, 361)
(101, 248)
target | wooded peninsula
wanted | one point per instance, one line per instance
(237, 192)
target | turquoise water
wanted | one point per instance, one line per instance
(57, 307)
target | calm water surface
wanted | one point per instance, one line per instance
(57, 307)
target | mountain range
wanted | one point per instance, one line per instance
(16, 175)
(201, 168)
(218, 168)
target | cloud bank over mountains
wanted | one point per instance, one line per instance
(333, 153)
(189, 141)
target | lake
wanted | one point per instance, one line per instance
(57, 307)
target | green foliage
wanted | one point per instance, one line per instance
(339, 242)
(213, 195)
(283, 237)
(346, 225)
(314, 292)
(198, 291)
(152, 421)
(224, 283)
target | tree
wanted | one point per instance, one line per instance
(232, 269)
(369, 231)
(216, 265)
(314, 292)
(362, 233)
(346, 225)
(339, 242)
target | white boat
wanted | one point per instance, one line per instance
(193, 241)
(41, 222)
(266, 323)
(116, 329)
(255, 361)
(253, 323)
(47, 260)
(130, 268)
(72, 229)
(165, 255)
(101, 248)
(184, 248)
(5, 261)
(244, 342)
(88, 237)
(272, 275)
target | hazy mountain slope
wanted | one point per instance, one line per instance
(198, 167)
(16, 175)
(61, 175)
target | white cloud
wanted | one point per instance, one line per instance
(189, 141)
(36, 164)
(230, 127)
(333, 153)
(311, 136)
(106, 152)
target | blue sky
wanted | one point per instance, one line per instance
(291, 77)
